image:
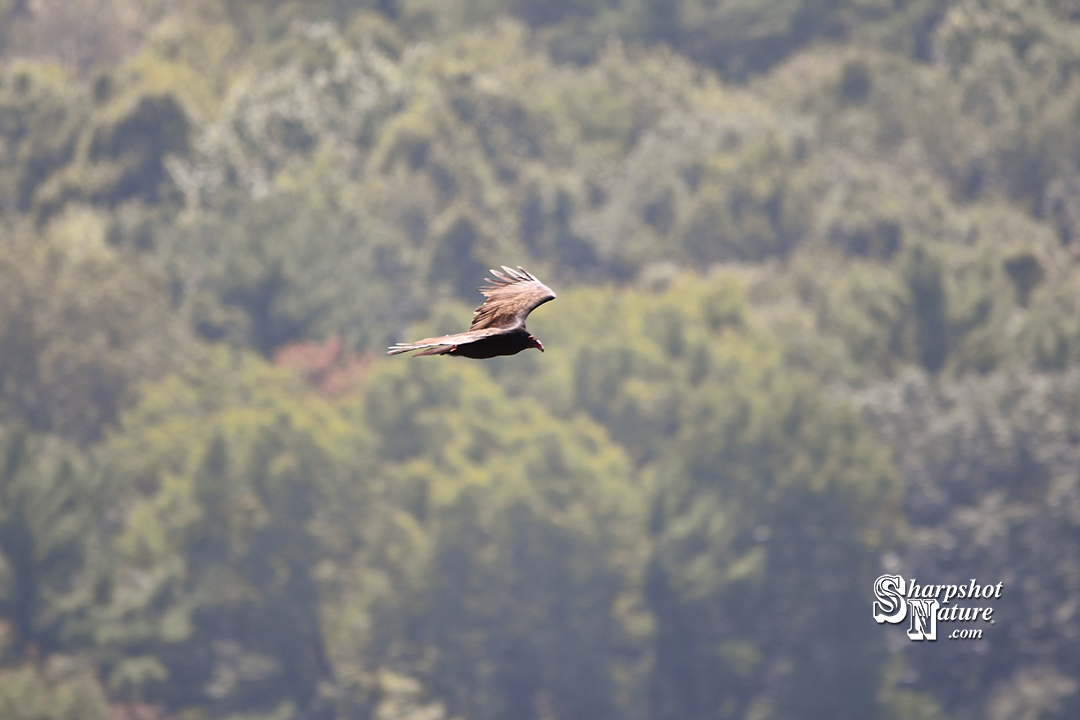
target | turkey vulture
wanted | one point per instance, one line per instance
(498, 326)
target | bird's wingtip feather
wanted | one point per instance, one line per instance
(506, 276)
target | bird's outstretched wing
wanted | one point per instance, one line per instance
(443, 345)
(511, 296)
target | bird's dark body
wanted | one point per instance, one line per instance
(508, 344)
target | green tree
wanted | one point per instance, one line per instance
(42, 114)
(50, 502)
(529, 602)
(239, 486)
(990, 467)
(64, 689)
(772, 506)
(82, 326)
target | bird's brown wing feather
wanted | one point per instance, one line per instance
(511, 296)
(446, 343)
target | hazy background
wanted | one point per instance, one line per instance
(818, 319)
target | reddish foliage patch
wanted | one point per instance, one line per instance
(331, 370)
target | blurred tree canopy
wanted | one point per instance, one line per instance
(818, 319)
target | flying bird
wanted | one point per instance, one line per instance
(498, 326)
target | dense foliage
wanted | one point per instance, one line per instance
(818, 319)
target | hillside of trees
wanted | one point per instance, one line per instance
(818, 319)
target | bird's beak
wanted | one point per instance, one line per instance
(534, 342)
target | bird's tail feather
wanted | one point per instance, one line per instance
(437, 350)
(428, 349)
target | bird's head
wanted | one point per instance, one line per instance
(534, 343)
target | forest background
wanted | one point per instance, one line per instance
(818, 320)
